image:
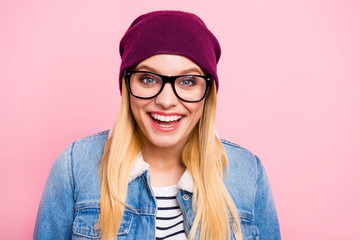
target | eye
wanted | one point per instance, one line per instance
(188, 81)
(148, 79)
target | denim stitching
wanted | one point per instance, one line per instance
(82, 232)
(88, 233)
(230, 143)
(87, 205)
(87, 236)
(247, 216)
(260, 172)
(99, 134)
(126, 231)
(96, 205)
(70, 166)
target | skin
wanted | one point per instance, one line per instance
(162, 149)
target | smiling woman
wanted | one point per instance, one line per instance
(160, 172)
(153, 115)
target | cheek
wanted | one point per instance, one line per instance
(133, 109)
(197, 110)
(136, 106)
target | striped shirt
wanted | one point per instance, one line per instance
(169, 218)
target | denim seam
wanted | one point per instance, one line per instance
(89, 233)
(259, 173)
(185, 216)
(247, 216)
(88, 236)
(145, 213)
(69, 163)
(99, 134)
(226, 142)
(121, 232)
(126, 230)
(98, 235)
(87, 205)
(96, 205)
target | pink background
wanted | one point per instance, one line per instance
(289, 92)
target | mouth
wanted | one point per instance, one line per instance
(166, 121)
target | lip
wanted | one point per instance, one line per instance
(166, 114)
(165, 129)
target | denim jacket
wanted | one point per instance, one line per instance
(70, 204)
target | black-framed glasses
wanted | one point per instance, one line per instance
(147, 85)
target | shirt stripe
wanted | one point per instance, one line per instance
(166, 228)
(169, 218)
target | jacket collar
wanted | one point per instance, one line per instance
(185, 183)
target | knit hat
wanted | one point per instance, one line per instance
(170, 32)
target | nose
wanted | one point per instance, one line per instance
(167, 97)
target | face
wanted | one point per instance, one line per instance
(165, 121)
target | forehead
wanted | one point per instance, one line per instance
(168, 64)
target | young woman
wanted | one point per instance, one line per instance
(161, 172)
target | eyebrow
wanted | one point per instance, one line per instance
(186, 71)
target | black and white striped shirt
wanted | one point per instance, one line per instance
(169, 218)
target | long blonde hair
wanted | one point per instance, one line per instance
(203, 155)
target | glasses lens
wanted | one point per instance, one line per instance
(190, 88)
(145, 85)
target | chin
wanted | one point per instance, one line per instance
(164, 145)
(164, 142)
(167, 140)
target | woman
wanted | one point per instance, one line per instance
(161, 172)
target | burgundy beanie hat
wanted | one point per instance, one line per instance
(170, 32)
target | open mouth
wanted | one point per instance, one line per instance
(165, 121)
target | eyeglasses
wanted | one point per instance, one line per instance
(147, 85)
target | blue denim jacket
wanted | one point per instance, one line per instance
(70, 204)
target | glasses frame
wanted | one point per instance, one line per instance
(167, 79)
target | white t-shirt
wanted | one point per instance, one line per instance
(169, 218)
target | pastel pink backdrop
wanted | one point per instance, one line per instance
(289, 92)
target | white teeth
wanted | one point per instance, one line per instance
(166, 125)
(165, 118)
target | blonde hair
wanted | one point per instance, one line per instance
(203, 155)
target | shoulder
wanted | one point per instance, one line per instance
(244, 167)
(90, 143)
(78, 164)
(81, 157)
(84, 156)
(86, 153)
(238, 155)
(85, 150)
(248, 185)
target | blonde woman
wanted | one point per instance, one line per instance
(161, 172)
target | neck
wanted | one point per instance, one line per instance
(159, 157)
(166, 166)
